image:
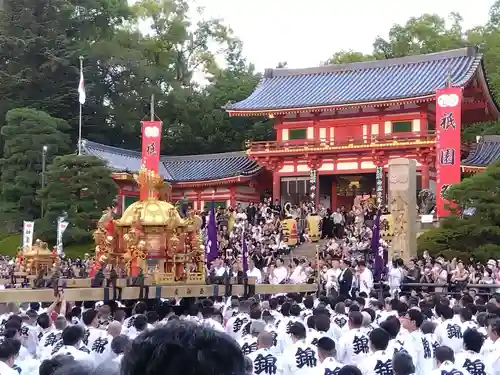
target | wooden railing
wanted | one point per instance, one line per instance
(368, 141)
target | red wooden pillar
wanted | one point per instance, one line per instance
(198, 200)
(333, 198)
(119, 202)
(276, 186)
(425, 176)
(232, 196)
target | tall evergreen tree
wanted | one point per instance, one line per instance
(79, 188)
(25, 133)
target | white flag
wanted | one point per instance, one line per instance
(81, 89)
(28, 229)
(61, 227)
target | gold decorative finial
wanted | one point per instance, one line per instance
(150, 181)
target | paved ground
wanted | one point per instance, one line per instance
(307, 250)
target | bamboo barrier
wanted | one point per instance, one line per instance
(155, 291)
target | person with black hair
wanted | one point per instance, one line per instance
(140, 308)
(71, 344)
(402, 364)
(119, 346)
(98, 341)
(284, 338)
(48, 366)
(208, 313)
(270, 328)
(428, 337)
(414, 343)
(299, 357)
(51, 338)
(470, 359)
(264, 359)
(340, 318)
(466, 315)
(249, 342)
(353, 346)
(449, 332)
(379, 362)
(321, 327)
(236, 324)
(445, 361)
(392, 325)
(326, 357)
(29, 332)
(183, 348)
(9, 350)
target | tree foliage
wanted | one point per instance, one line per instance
(25, 132)
(477, 235)
(79, 188)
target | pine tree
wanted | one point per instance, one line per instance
(475, 236)
(79, 188)
(25, 133)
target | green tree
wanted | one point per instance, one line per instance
(477, 235)
(25, 133)
(79, 187)
(346, 57)
(419, 35)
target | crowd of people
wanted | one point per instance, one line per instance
(413, 333)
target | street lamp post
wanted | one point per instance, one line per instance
(44, 157)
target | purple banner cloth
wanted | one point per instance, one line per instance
(378, 254)
(244, 250)
(211, 248)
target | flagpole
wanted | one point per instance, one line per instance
(80, 116)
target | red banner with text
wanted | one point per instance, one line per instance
(151, 140)
(448, 124)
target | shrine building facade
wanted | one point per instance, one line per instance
(225, 178)
(337, 126)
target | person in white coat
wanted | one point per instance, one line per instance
(326, 358)
(445, 360)
(264, 359)
(470, 359)
(379, 362)
(365, 278)
(300, 358)
(9, 350)
(353, 345)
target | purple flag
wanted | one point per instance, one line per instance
(211, 248)
(244, 251)
(378, 254)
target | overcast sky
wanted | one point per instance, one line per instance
(304, 33)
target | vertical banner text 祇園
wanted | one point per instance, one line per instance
(448, 124)
(151, 140)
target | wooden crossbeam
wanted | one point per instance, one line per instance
(131, 293)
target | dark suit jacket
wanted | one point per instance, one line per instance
(345, 283)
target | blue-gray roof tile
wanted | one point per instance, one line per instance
(204, 167)
(487, 151)
(381, 80)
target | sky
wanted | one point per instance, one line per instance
(305, 33)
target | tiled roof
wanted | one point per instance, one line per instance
(487, 151)
(372, 81)
(178, 168)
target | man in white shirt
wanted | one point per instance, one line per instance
(470, 359)
(445, 360)
(380, 360)
(365, 278)
(254, 272)
(265, 361)
(72, 345)
(353, 345)
(449, 333)
(299, 358)
(326, 358)
(280, 273)
(9, 350)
